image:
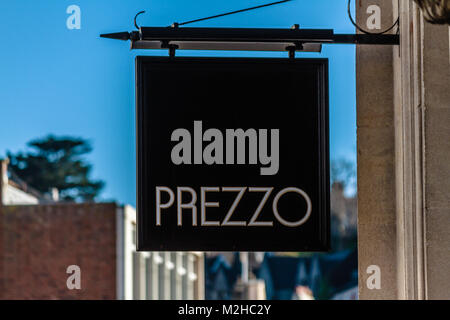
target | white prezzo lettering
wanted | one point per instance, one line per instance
(236, 141)
(191, 206)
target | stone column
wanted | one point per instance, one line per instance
(403, 120)
(423, 147)
(377, 232)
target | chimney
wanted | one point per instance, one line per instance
(3, 178)
(338, 187)
(55, 194)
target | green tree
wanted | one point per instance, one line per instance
(57, 162)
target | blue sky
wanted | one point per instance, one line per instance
(71, 82)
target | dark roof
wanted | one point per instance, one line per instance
(283, 271)
(340, 269)
(343, 270)
(218, 264)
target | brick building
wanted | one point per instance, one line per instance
(39, 241)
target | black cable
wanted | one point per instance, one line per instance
(135, 17)
(368, 32)
(233, 12)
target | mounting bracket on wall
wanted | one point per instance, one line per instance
(245, 39)
(291, 40)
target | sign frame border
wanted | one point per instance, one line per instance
(324, 138)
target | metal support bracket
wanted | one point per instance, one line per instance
(172, 48)
(245, 39)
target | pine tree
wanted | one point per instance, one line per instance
(57, 162)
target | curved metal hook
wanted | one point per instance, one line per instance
(135, 17)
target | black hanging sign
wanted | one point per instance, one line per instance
(232, 154)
